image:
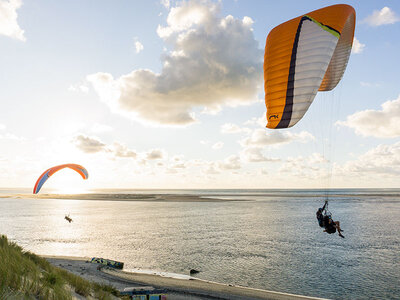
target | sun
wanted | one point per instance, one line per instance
(66, 182)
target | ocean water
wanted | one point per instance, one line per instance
(266, 239)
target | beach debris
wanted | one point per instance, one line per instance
(193, 271)
(107, 262)
(49, 172)
(145, 292)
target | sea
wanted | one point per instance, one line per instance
(266, 239)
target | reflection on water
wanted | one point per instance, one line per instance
(272, 242)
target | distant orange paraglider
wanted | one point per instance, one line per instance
(49, 172)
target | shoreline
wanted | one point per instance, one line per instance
(126, 197)
(177, 288)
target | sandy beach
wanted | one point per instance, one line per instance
(178, 289)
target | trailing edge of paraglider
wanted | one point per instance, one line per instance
(49, 172)
(303, 56)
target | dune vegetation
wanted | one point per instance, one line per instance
(24, 275)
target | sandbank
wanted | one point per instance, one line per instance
(125, 197)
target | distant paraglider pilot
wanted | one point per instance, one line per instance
(325, 220)
(68, 218)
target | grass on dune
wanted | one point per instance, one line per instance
(24, 275)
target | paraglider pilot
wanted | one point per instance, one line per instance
(325, 220)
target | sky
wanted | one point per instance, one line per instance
(169, 94)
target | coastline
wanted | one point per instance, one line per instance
(125, 197)
(177, 288)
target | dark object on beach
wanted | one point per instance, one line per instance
(68, 218)
(193, 271)
(108, 262)
(147, 292)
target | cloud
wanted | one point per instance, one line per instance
(211, 169)
(384, 123)
(94, 145)
(218, 145)
(88, 144)
(120, 150)
(233, 128)
(381, 160)
(263, 137)
(155, 154)
(177, 162)
(8, 135)
(317, 158)
(382, 17)
(230, 163)
(357, 46)
(166, 3)
(139, 47)
(214, 62)
(79, 88)
(8, 19)
(311, 167)
(259, 122)
(254, 154)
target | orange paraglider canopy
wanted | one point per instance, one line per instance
(49, 172)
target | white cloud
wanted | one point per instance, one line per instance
(11, 136)
(382, 17)
(384, 123)
(218, 145)
(8, 135)
(254, 154)
(79, 88)
(259, 122)
(230, 163)
(214, 62)
(357, 46)
(94, 145)
(8, 19)
(233, 128)
(177, 162)
(88, 144)
(211, 169)
(264, 137)
(154, 154)
(382, 160)
(166, 3)
(311, 167)
(139, 47)
(120, 150)
(317, 158)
